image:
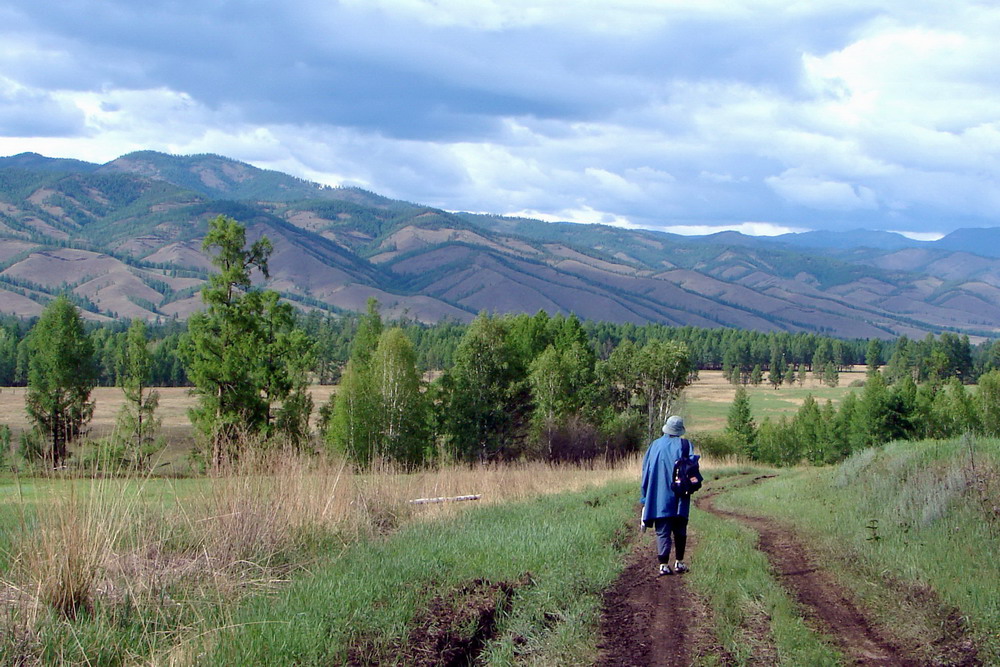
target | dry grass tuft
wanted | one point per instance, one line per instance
(63, 552)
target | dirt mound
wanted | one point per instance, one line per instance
(452, 630)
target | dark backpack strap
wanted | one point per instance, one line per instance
(685, 448)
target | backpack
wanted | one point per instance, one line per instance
(687, 476)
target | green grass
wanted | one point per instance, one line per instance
(710, 415)
(755, 620)
(569, 548)
(898, 521)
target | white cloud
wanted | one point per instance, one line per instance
(821, 193)
(919, 236)
(748, 228)
(585, 216)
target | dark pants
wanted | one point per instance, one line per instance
(675, 527)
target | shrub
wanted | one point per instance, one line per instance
(715, 445)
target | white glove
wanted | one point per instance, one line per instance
(642, 526)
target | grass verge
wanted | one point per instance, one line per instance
(903, 527)
(755, 620)
(129, 570)
(555, 554)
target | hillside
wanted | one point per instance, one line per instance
(125, 239)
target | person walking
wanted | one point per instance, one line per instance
(662, 509)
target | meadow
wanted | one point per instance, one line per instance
(297, 559)
(705, 404)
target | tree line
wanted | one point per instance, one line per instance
(746, 357)
(890, 406)
(505, 387)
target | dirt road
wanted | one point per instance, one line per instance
(650, 619)
(639, 627)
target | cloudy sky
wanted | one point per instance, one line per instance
(685, 115)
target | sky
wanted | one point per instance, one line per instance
(763, 116)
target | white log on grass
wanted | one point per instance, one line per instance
(451, 499)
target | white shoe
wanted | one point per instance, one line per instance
(680, 567)
(665, 569)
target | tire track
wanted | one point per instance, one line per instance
(648, 619)
(825, 603)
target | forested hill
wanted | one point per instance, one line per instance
(124, 239)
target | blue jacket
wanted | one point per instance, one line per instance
(657, 468)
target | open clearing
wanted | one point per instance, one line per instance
(173, 410)
(705, 404)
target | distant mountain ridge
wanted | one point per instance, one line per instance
(124, 239)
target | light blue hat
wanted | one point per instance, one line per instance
(674, 426)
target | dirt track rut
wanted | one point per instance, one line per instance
(647, 618)
(822, 600)
(652, 620)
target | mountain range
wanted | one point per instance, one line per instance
(124, 240)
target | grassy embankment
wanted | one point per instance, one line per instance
(899, 527)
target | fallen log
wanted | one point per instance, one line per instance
(450, 499)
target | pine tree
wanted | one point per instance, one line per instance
(244, 353)
(831, 377)
(873, 356)
(137, 423)
(776, 371)
(740, 426)
(61, 375)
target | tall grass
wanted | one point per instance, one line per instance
(556, 553)
(112, 569)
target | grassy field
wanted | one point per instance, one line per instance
(173, 410)
(705, 404)
(111, 571)
(314, 564)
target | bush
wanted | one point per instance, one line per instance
(30, 447)
(623, 434)
(714, 445)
